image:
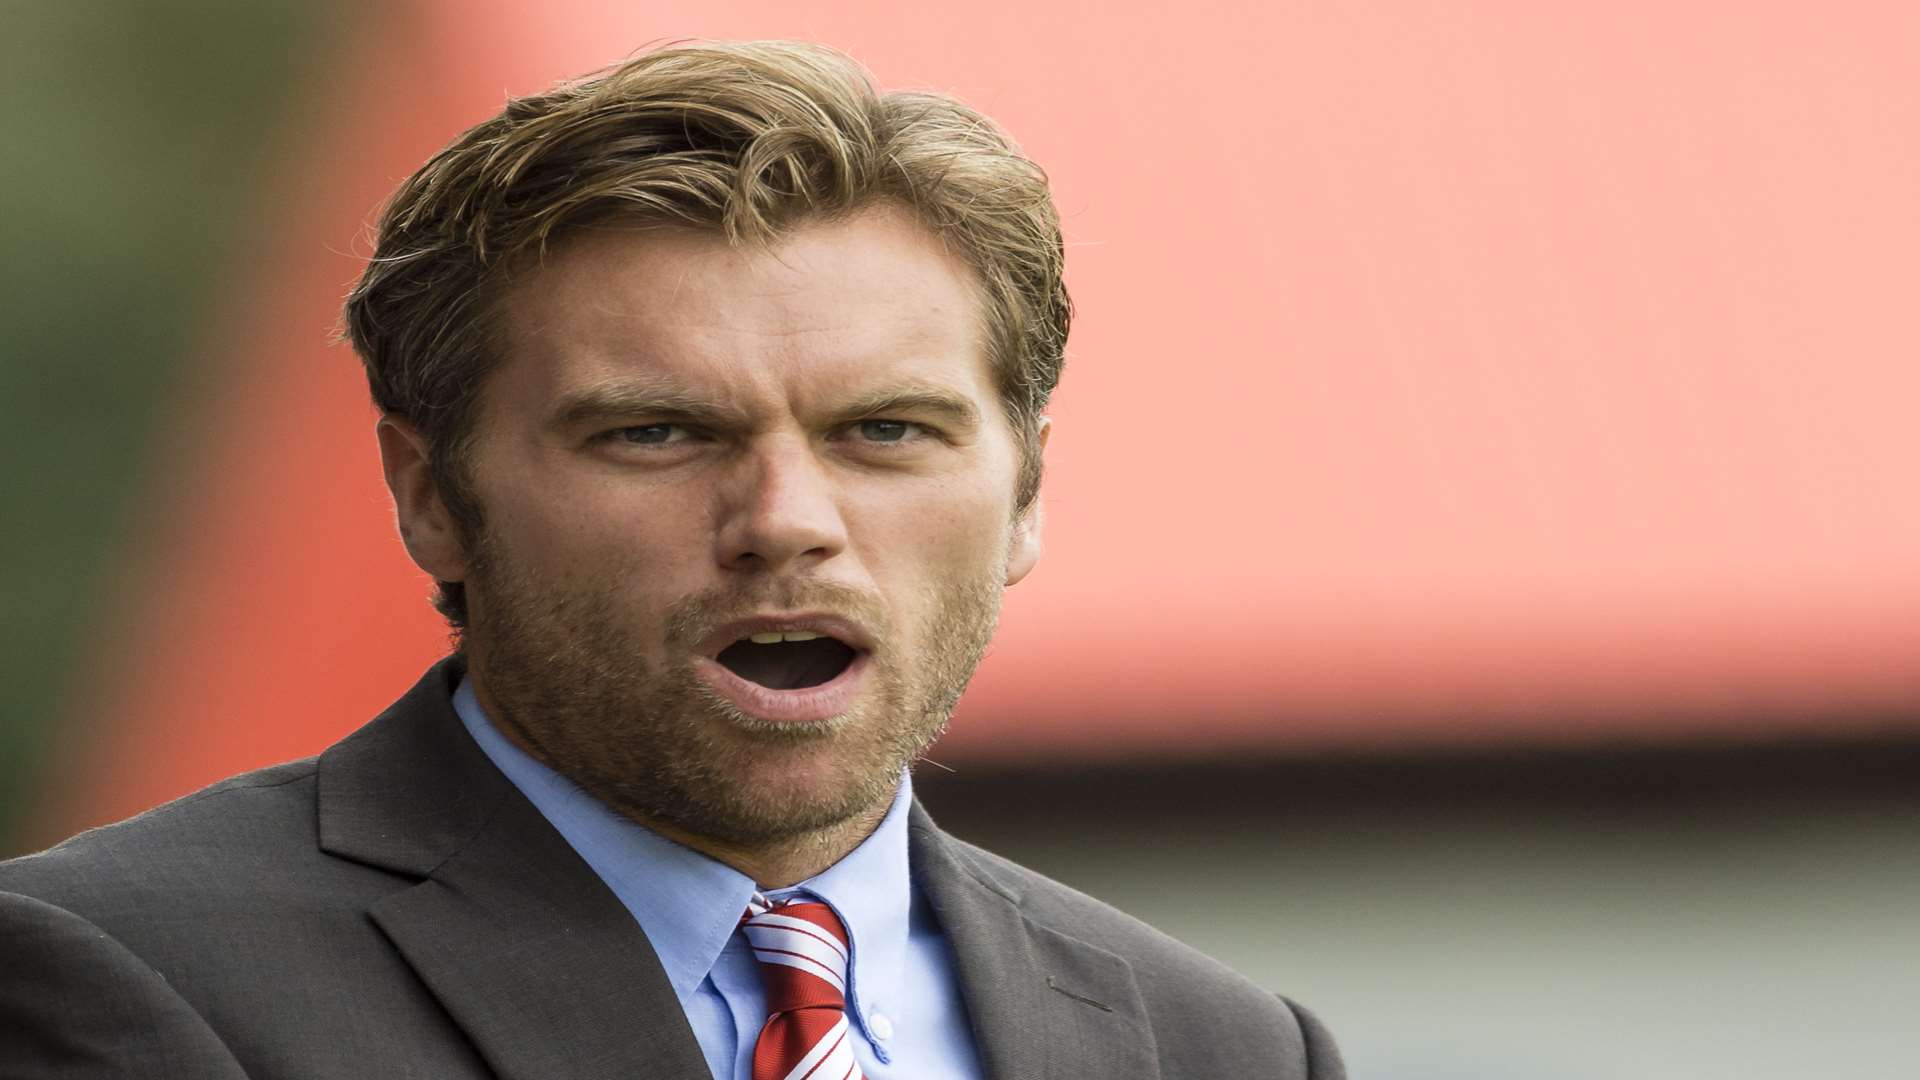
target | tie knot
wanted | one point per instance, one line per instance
(802, 949)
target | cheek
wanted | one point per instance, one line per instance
(953, 534)
(596, 530)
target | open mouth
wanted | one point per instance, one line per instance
(793, 662)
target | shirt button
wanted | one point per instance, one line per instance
(881, 1027)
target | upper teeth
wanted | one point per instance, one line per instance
(775, 637)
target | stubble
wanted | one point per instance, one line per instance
(564, 672)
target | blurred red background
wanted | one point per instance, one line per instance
(1517, 375)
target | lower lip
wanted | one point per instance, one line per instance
(804, 705)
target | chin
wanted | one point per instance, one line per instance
(781, 793)
(811, 779)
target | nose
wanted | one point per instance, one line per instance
(781, 511)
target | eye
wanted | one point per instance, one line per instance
(890, 432)
(643, 435)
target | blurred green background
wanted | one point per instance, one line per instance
(135, 137)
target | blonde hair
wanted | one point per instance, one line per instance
(742, 139)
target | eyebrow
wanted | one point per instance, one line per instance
(667, 400)
(915, 397)
(637, 396)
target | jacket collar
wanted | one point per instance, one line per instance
(522, 944)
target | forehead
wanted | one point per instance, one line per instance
(832, 307)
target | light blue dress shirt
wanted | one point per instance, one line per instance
(903, 997)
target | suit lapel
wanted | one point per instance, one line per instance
(1044, 1005)
(529, 952)
(547, 972)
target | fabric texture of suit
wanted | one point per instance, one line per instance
(396, 908)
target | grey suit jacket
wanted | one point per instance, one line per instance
(395, 908)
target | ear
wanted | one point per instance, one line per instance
(426, 528)
(1024, 552)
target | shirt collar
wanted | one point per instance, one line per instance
(870, 890)
(689, 905)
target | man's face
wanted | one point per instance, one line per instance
(684, 435)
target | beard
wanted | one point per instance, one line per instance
(564, 671)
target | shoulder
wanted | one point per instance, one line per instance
(77, 1003)
(1205, 1015)
(113, 935)
(1153, 954)
(240, 811)
(232, 859)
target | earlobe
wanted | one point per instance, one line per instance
(1024, 553)
(426, 528)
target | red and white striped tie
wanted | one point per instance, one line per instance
(802, 949)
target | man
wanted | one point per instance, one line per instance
(711, 395)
